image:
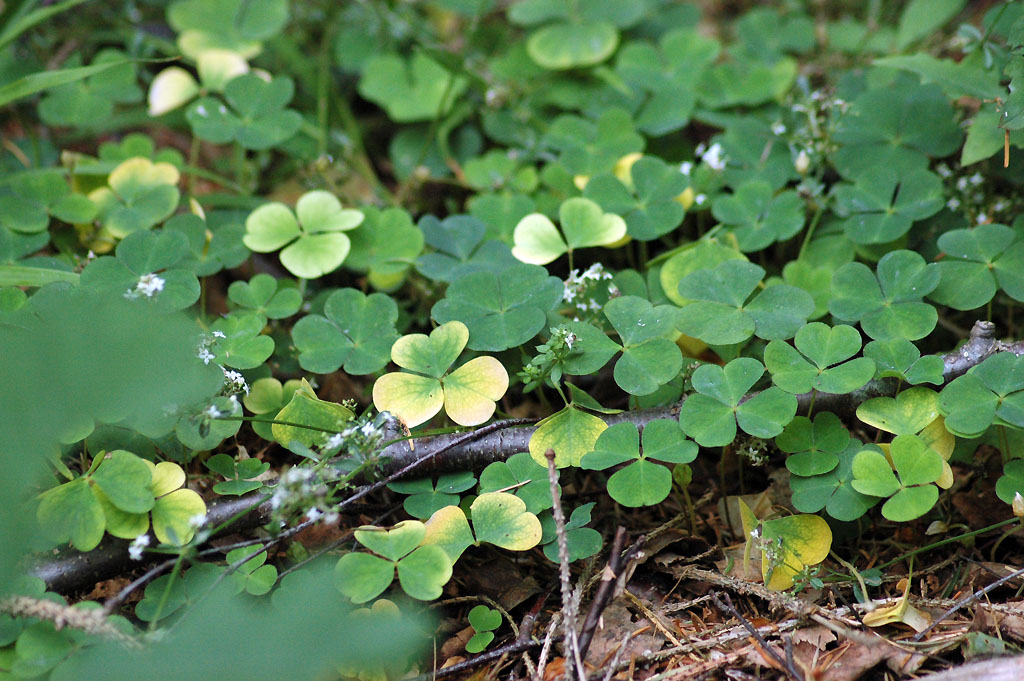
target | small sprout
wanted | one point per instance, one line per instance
(1018, 505)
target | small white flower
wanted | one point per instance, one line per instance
(368, 430)
(149, 285)
(197, 521)
(570, 338)
(976, 179)
(314, 514)
(235, 380)
(205, 355)
(331, 518)
(135, 548)
(700, 199)
(961, 184)
(212, 411)
(714, 157)
(218, 334)
(778, 128)
(953, 204)
(686, 167)
(334, 441)
(982, 218)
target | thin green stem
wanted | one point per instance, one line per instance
(810, 229)
(175, 573)
(947, 540)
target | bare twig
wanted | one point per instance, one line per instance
(570, 602)
(609, 577)
(966, 600)
(724, 603)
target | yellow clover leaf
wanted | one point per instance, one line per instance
(467, 394)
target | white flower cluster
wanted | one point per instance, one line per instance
(970, 198)
(580, 288)
(712, 156)
(234, 382)
(147, 286)
(203, 352)
(137, 545)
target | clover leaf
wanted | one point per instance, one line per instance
(759, 217)
(897, 128)
(252, 576)
(887, 306)
(705, 254)
(355, 330)
(414, 90)
(422, 570)
(788, 545)
(139, 194)
(912, 493)
(312, 238)
(978, 263)
(215, 242)
(425, 497)
(710, 416)
(146, 269)
(721, 314)
(87, 102)
(120, 501)
(385, 247)
(484, 621)
(581, 541)
(1011, 482)
(539, 242)
(468, 394)
(307, 419)
(565, 45)
(519, 475)
(813, 447)
(882, 204)
(833, 491)
(244, 345)
(460, 248)
(587, 147)
(257, 118)
(570, 433)
(499, 518)
(502, 310)
(34, 197)
(649, 357)
(648, 201)
(819, 360)
(226, 24)
(642, 482)
(991, 392)
(199, 431)
(266, 397)
(266, 296)
(668, 74)
(899, 358)
(906, 414)
(239, 474)
(174, 86)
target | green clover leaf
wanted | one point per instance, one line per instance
(721, 314)
(887, 306)
(422, 570)
(244, 345)
(468, 394)
(460, 249)
(239, 474)
(648, 202)
(538, 241)
(649, 357)
(257, 118)
(266, 296)
(912, 493)
(266, 397)
(319, 417)
(139, 194)
(895, 127)
(882, 204)
(502, 310)
(226, 24)
(642, 483)
(385, 247)
(979, 262)
(85, 103)
(705, 254)
(589, 148)
(522, 476)
(711, 415)
(214, 244)
(906, 414)
(415, 90)
(1011, 482)
(899, 358)
(35, 197)
(355, 330)
(581, 541)
(425, 498)
(252, 576)
(833, 491)
(813, 448)
(821, 362)
(991, 392)
(312, 238)
(200, 432)
(668, 73)
(759, 217)
(146, 269)
(484, 621)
